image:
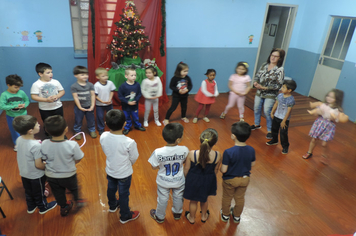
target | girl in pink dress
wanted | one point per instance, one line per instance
(206, 95)
(239, 85)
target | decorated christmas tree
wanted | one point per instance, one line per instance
(129, 37)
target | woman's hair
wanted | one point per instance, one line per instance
(339, 97)
(244, 64)
(208, 139)
(281, 52)
(181, 66)
(209, 71)
(151, 68)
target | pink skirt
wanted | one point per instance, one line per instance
(323, 129)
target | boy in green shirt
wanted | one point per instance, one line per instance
(14, 102)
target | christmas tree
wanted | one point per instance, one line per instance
(129, 37)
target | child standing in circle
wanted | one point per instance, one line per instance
(200, 170)
(206, 95)
(151, 89)
(324, 126)
(239, 84)
(180, 85)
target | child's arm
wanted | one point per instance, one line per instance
(121, 94)
(190, 84)
(39, 164)
(216, 92)
(274, 108)
(232, 89)
(160, 88)
(283, 123)
(248, 88)
(4, 105)
(77, 102)
(92, 97)
(315, 104)
(204, 90)
(37, 98)
(133, 152)
(187, 163)
(223, 168)
(59, 95)
(218, 163)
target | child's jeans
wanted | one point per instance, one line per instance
(59, 186)
(148, 104)
(163, 197)
(123, 185)
(78, 119)
(276, 126)
(34, 192)
(132, 116)
(100, 115)
(14, 134)
(234, 188)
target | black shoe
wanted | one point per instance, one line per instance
(101, 132)
(140, 128)
(269, 136)
(253, 127)
(126, 131)
(285, 150)
(65, 210)
(269, 143)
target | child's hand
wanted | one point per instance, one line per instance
(272, 115)
(283, 124)
(90, 109)
(108, 102)
(132, 103)
(83, 109)
(50, 99)
(21, 106)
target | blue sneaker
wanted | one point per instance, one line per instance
(49, 207)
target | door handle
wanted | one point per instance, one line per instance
(320, 59)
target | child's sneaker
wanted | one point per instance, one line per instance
(285, 150)
(222, 116)
(101, 132)
(49, 207)
(140, 128)
(114, 208)
(93, 134)
(177, 216)
(206, 119)
(125, 131)
(269, 136)
(269, 143)
(78, 137)
(236, 219)
(223, 217)
(158, 123)
(153, 215)
(145, 124)
(15, 148)
(30, 211)
(242, 119)
(195, 120)
(134, 216)
(65, 210)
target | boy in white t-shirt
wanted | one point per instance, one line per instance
(104, 92)
(121, 153)
(31, 167)
(47, 91)
(169, 160)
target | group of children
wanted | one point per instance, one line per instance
(189, 174)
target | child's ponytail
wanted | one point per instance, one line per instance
(208, 139)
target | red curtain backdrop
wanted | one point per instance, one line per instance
(106, 13)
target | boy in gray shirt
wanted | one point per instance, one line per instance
(84, 99)
(29, 160)
(61, 156)
(280, 114)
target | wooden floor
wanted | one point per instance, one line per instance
(286, 196)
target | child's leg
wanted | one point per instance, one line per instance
(312, 145)
(100, 117)
(111, 191)
(276, 124)
(58, 191)
(135, 119)
(177, 195)
(207, 109)
(34, 192)
(175, 102)
(162, 201)
(148, 104)
(128, 120)
(155, 109)
(89, 115)
(241, 105)
(204, 209)
(183, 106)
(193, 205)
(284, 135)
(71, 183)
(200, 107)
(124, 193)
(14, 134)
(239, 195)
(231, 102)
(228, 194)
(78, 119)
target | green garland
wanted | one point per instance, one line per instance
(163, 30)
(92, 24)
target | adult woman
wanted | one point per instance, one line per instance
(268, 80)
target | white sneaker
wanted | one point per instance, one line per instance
(145, 124)
(158, 123)
(15, 148)
(195, 120)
